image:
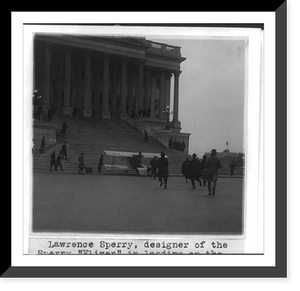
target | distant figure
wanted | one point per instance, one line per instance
(43, 144)
(175, 144)
(154, 165)
(64, 129)
(64, 151)
(50, 114)
(58, 163)
(163, 169)
(182, 146)
(194, 168)
(52, 161)
(100, 164)
(185, 168)
(81, 163)
(232, 168)
(210, 174)
(146, 137)
(171, 143)
(39, 111)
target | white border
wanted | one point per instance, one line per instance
(269, 138)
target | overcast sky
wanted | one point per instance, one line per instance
(211, 85)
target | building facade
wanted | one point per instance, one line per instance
(109, 77)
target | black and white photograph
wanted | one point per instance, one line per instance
(147, 144)
(138, 134)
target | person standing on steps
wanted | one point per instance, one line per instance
(210, 174)
(64, 151)
(52, 161)
(43, 144)
(100, 164)
(81, 163)
(163, 169)
(64, 129)
(146, 137)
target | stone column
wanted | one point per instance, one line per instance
(67, 82)
(47, 76)
(168, 90)
(105, 112)
(140, 97)
(97, 72)
(124, 114)
(147, 87)
(114, 88)
(153, 97)
(176, 123)
(131, 91)
(87, 112)
(162, 93)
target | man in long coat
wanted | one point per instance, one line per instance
(194, 168)
(210, 174)
(163, 169)
(52, 161)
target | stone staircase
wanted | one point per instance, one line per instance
(92, 136)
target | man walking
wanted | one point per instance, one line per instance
(210, 174)
(52, 161)
(185, 168)
(58, 162)
(194, 168)
(163, 169)
(154, 164)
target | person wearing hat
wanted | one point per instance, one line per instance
(163, 169)
(194, 168)
(210, 173)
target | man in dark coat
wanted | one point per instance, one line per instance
(64, 129)
(154, 165)
(185, 168)
(43, 144)
(146, 137)
(194, 168)
(52, 161)
(81, 163)
(163, 169)
(64, 151)
(100, 164)
(210, 173)
(58, 162)
(232, 168)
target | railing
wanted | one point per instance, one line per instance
(164, 48)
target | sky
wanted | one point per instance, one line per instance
(211, 93)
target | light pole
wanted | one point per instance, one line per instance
(168, 112)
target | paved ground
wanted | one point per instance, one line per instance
(109, 203)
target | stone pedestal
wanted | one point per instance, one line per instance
(106, 115)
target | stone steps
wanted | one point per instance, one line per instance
(93, 136)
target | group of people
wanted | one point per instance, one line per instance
(56, 161)
(159, 167)
(206, 170)
(177, 145)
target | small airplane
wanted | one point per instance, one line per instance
(125, 161)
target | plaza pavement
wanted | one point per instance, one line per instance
(133, 204)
